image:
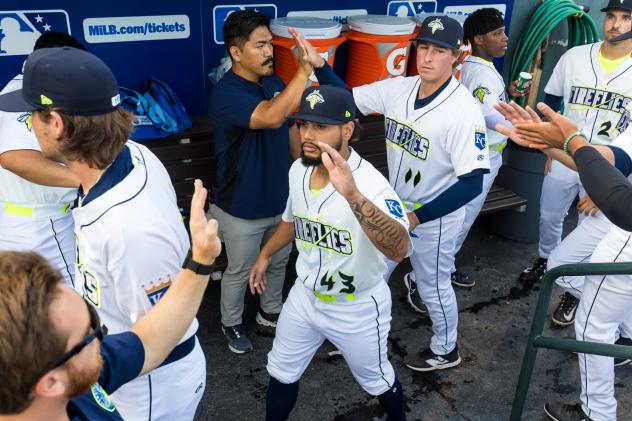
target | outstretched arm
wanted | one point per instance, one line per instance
(282, 236)
(32, 166)
(388, 235)
(163, 326)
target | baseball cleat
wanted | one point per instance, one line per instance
(533, 273)
(267, 319)
(412, 296)
(564, 314)
(429, 361)
(618, 362)
(559, 411)
(238, 342)
(462, 280)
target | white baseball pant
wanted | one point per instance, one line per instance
(605, 305)
(432, 258)
(359, 329)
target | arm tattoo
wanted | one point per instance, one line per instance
(384, 232)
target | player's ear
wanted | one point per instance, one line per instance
(57, 123)
(347, 130)
(50, 385)
(235, 53)
(478, 40)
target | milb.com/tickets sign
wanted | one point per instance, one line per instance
(136, 28)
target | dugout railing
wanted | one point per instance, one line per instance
(536, 340)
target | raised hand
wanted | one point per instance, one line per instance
(309, 53)
(553, 133)
(515, 114)
(206, 245)
(304, 60)
(339, 172)
(516, 93)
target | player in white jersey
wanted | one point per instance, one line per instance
(605, 302)
(130, 237)
(484, 31)
(345, 218)
(436, 165)
(35, 193)
(594, 83)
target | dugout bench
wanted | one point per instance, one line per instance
(189, 155)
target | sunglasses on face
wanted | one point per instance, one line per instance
(96, 333)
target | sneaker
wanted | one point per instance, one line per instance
(327, 349)
(564, 314)
(461, 279)
(559, 411)
(429, 361)
(534, 273)
(413, 298)
(238, 342)
(622, 361)
(267, 319)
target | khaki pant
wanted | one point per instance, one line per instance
(243, 239)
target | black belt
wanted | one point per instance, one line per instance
(180, 351)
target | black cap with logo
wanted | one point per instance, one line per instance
(441, 30)
(327, 105)
(618, 4)
(71, 80)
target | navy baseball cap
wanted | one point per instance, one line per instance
(71, 80)
(618, 4)
(441, 30)
(327, 105)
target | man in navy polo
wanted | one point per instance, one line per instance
(249, 108)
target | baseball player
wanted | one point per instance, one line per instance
(436, 166)
(130, 237)
(35, 193)
(606, 300)
(594, 82)
(345, 217)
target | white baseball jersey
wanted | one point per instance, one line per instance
(427, 148)
(487, 86)
(336, 258)
(595, 101)
(131, 243)
(16, 133)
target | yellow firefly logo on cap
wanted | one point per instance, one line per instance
(314, 98)
(347, 114)
(436, 25)
(45, 100)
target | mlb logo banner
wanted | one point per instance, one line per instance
(221, 12)
(411, 8)
(20, 29)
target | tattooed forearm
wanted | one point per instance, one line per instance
(388, 235)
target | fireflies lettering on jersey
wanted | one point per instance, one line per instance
(403, 136)
(596, 98)
(322, 235)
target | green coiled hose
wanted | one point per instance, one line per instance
(581, 30)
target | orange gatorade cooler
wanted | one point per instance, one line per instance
(323, 34)
(378, 47)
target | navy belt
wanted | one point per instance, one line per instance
(180, 351)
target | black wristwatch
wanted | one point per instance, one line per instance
(196, 267)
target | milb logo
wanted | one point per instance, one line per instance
(20, 29)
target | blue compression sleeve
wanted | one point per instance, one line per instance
(327, 76)
(454, 197)
(622, 160)
(553, 101)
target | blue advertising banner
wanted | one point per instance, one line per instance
(177, 42)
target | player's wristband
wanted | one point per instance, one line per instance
(571, 137)
(196, 267)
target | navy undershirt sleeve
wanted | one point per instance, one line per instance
(553, 101)
(123, 358)
(607, 185)
(327, 76)
(454, 197)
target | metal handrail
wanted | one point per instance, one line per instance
(536, 340)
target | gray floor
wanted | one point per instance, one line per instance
(493, 325)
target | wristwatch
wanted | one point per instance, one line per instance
(196, 267)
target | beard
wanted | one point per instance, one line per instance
(309, 161)
(81, 380)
